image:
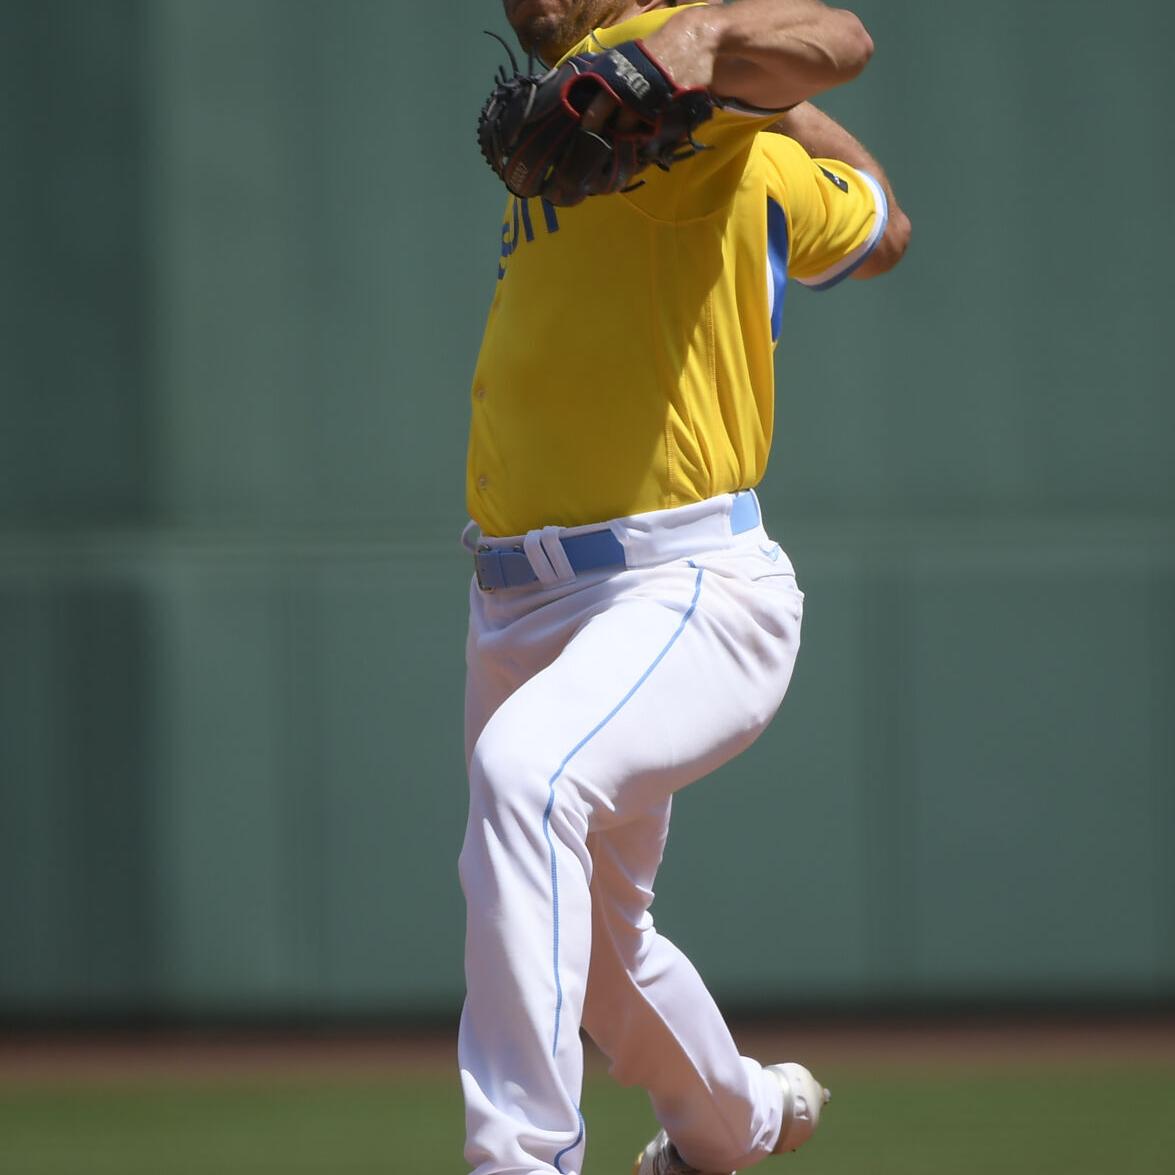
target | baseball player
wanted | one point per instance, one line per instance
(632, 624)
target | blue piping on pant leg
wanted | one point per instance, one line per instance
(686, 617)
(568, 1149)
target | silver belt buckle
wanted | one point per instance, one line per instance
(479, 550)
(486, 549)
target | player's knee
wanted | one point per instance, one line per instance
(506, 782)
(518, 799)
(516, 814)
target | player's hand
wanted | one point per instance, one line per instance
(687, 48)
(684, 47)
(589, 126)
(600, 117)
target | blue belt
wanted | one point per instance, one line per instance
(594, 550)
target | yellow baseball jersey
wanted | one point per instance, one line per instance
(627, 362)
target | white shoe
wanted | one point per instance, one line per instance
(660, 1157)
(803, 1099)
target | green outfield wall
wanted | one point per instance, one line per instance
(245, 251)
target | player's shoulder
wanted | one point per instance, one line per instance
(788, 169)
(780, 150)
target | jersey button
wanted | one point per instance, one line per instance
(479, 393)
(482, 482)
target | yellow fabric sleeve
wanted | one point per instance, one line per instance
(836, 214)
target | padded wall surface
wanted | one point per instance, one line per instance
(245, 266)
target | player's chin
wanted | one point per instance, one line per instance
(527, 10)
(538, 24)
(531, 15)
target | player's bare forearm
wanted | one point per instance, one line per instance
(824, 138)
(766, 53)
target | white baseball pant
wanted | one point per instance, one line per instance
(590, 700)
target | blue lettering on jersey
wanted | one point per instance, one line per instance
(518, 228)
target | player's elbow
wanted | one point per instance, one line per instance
(890, 249)
(898, 233)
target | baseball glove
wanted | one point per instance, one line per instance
(530, 128)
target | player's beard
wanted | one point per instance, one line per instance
(548, 28)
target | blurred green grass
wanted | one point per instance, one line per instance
(1085, 1118)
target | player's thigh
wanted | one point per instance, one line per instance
(678, 673)
(494, 668)
(487, 686)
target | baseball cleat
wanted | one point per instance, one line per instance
(660, 1157)
(803, 1099)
